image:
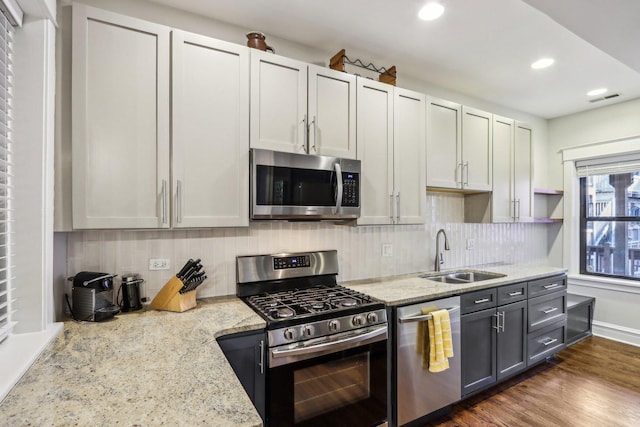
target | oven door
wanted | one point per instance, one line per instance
(332, 381)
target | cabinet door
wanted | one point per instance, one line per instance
(502, 203)
(444, 139)
(245, 353)
(332, 113)
(512, 339)
(278, 103)
(523, 176)
(120, 109)
(477, 151)
(478, 350)
(210, 149)
(375, 151)
(409, 181)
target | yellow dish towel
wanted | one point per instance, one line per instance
(440, 344)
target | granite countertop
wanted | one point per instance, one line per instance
(410, 288)
(145, 368)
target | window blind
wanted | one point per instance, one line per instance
(608, 165)
(6, 44)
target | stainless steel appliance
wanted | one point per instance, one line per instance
(92, 296)
(303, 187)
(130, 289)
(420, 392)
(327, 344)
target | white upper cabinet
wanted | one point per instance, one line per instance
(512, 181)
(120, 132)
(444, 143)
(278, 103)
(375, 151)
(301, 108)
(210, 144)
(332, 113)
(391, 147)
(459, 147)
(409, 156)
(477, 151)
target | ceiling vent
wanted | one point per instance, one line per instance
(613, 95)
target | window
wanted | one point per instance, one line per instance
(6, 40)
(610, 219)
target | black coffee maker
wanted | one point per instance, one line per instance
(92, 296)
(130, 290)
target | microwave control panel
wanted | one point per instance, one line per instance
(350, 189)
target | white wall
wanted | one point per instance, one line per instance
(616, 315)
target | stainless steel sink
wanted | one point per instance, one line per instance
(460, 277)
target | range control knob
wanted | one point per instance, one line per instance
(358, 320)
(289, 334)
(334, 325)
(308, 330)
(372, 317)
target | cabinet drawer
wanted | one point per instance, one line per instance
(478, 300)
(547, 309)
(547, 285)
(545, 342)
(512, 293)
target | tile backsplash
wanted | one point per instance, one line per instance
(359, 248)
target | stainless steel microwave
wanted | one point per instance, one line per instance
(303, 187)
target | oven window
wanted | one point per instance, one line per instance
(294, 187)
(323, 388)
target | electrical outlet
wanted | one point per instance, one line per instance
(387, 249)
(471, 244)
(158, 264)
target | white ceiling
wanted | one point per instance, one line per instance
(482, 48)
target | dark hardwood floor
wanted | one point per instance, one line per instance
(595, 382)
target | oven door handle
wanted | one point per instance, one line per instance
(423, 317)
(334, 346)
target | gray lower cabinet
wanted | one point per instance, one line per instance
(245, 353)
(494, 345)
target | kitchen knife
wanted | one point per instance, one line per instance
(191, 272)
(184, 268)
(190, 267)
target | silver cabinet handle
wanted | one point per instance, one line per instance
(549, 342)
(179, 201)
(497, 327)
(391, 210)
(340, 188)
(551, 310)
(513, 202)
(515, 294)
(261, 363)
(480, 301)
(422, 317)
(315, 133)
(552, 286)
(305, 144)
(461, 167)
(164, 201)
(518, 210)
(504, 320)
(398, 207)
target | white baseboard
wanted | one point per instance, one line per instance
(19, 351)
(617, 333)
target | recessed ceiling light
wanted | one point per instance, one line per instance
(599, 91)
(542, 63)
(431, 11)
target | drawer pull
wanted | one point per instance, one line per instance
(551, 310)
(552, 286)
(549, 342)
(480, 301)
(515, 294)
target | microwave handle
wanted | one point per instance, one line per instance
(340, 188)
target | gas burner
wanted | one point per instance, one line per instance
(284, 313)
(347, 302)
(317, 305)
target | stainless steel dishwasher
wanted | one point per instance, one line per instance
(420, 392)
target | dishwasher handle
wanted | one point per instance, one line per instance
(423, 317)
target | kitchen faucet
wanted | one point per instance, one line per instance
(439, 259)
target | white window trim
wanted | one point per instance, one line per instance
(571, 230)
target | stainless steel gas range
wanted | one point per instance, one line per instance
(327, 344)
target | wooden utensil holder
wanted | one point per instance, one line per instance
(170, 299)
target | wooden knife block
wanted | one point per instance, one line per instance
(170, 299)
